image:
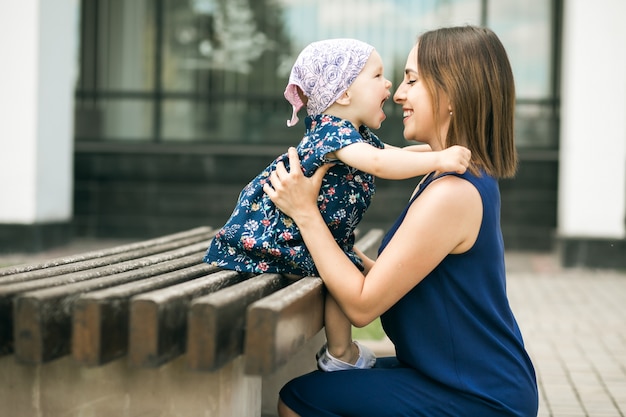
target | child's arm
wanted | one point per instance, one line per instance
(396, 164)
(368, 263)
(412, 148)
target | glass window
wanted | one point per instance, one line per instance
(536, 125)
(114, 119)
(525, 30)
(219, 47)
(118, 45)
(214, 71)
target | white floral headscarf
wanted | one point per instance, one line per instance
(323, 71)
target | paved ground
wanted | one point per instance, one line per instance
(573, 321)
(574, 324)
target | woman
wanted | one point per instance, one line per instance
(438, 283)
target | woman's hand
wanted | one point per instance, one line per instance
(292, 192)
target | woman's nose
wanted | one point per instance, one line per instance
(399, 95)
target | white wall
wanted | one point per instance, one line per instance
(592, 177)
(38, 41)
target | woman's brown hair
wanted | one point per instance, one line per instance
(470, 65)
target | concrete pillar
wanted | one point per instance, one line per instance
(592, 176)
(38, 43)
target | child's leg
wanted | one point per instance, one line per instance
(339, 332)
(340, 352)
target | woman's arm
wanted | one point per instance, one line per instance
(396, 163)
(445, 219)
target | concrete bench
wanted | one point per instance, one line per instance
(149, 329)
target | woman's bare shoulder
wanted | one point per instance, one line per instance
(453, 188)
(451, 208)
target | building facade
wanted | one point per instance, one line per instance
(148, 117)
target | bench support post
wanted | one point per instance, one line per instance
(63, 387)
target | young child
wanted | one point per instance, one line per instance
(341, 82)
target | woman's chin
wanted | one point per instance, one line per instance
(409, 136)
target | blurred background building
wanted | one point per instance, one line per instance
(136, 118)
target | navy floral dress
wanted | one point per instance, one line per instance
(260, 238)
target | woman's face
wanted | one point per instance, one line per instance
(416, 102)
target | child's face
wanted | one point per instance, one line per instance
(368, 93)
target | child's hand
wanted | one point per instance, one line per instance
(454, 159)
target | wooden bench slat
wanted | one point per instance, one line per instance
(203, 232)
(280, 324)
(100, 319)
(9, 292)
(94, 264)
(42, 318)
(216, 324)
(158, 319)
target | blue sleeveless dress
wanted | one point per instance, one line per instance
(259, 238)
(459, 351)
